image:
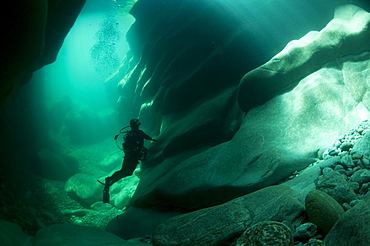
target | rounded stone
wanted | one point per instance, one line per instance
(327, 170)
(352, 229)
(330, 162)
(305, 230)
(267, 233)
(346, 146)
(335, 185)
(361, 176)
(322, 210)
(347, 161)
(83, 188)
(340, 169)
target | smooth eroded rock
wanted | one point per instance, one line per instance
(269, 144)
(84, 188)
(11, 234)
(222, 224)
(346, 34)
(323, 210)
(212, 226)
(336, 185)
(352, 228)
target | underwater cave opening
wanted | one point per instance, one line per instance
(62, 123)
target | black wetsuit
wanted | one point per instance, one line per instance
(133, 147)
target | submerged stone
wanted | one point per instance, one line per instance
(267, 233)
(352, 228)
(346, 34)
(336, 185)
(362, 147)
(84, 188)
(323, 210)
(12, 234)
(273, 140)
(306, 230)
(223, 224)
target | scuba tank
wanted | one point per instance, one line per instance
(130, 144)
(120, 132)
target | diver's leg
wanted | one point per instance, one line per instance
(115, 177)
(128, 167)
(110, 181)
(106, 196)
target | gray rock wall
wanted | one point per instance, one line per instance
(33, 32)
(282, 133)
(274, 140)
(352, 228)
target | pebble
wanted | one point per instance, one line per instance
(346, 206)
(333, 152)
(305, 230)
(349, 159)
(355, 186)
(365, 162)
(340, 169)
(361, 176)
(346, 146)
(327, 170)
(331, 162)
(354, 202)
(364, 188)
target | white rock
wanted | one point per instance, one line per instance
(84, 187)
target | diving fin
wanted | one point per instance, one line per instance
(105, 191)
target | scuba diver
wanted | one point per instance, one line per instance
(134, 149)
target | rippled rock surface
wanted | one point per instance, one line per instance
(210, 150)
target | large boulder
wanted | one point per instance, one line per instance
(212, 226)
(346, 34)
(202, 57)
(221, 173)
(12, 234)
(84, 188)
(147, 220)
(223, 224)
(270, 136)
(336, 185)
(274, 139)
(352, 228)
(323, 210)
(122, 191)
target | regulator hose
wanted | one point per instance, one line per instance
(120, 132)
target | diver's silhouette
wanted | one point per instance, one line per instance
(134, 149)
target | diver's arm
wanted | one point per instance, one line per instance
(147, 137)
